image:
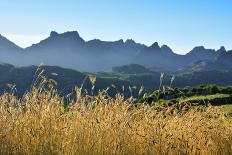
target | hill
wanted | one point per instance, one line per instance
(119, 80)
(23, 78)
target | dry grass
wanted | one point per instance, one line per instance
(40, 124)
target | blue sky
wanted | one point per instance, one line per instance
(181, 24)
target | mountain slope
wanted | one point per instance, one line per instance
(222, 62)
(5, 44)
(9, 52)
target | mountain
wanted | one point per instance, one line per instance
(69, 50)
(9, 52)
(58, 42)
(159, 58)
(221, 62)
(5, 44)
(201, 52)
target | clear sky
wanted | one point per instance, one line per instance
(181, 24)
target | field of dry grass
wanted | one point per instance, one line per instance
(39, 123)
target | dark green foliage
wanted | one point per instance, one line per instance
(216, 95)
(23, 78)
(123, 82)
(151, 80)
(131, 69)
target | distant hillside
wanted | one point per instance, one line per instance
(221, 63)
(120, 80)
(139, 75)
(69, 50)
(24, 77)
(131, 69)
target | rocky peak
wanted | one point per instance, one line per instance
(155, 46)
(165, 47)
(198, 48)
(221, 50)
(53, 34)
(167, 50)
(201, 50)
(130, 41)
(120, 41)
(67, 35)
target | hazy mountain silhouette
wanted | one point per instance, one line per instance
(5, 44)
(9, 52)
(221, 62)
(69, 50)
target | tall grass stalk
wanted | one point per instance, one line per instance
(39, 123)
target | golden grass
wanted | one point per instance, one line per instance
(39, 123)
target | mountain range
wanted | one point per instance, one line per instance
(70, 50)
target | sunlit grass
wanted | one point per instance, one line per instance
(39, 123)
(207, 97)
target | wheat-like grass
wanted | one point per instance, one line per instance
(39, 123)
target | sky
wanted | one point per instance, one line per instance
(181, 24)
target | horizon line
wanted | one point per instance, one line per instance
(36, 39)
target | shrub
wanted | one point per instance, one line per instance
(214, 90)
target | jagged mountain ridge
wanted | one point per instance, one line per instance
(221, 63)
(71, 51)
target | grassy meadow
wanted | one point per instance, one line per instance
(40, 123)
